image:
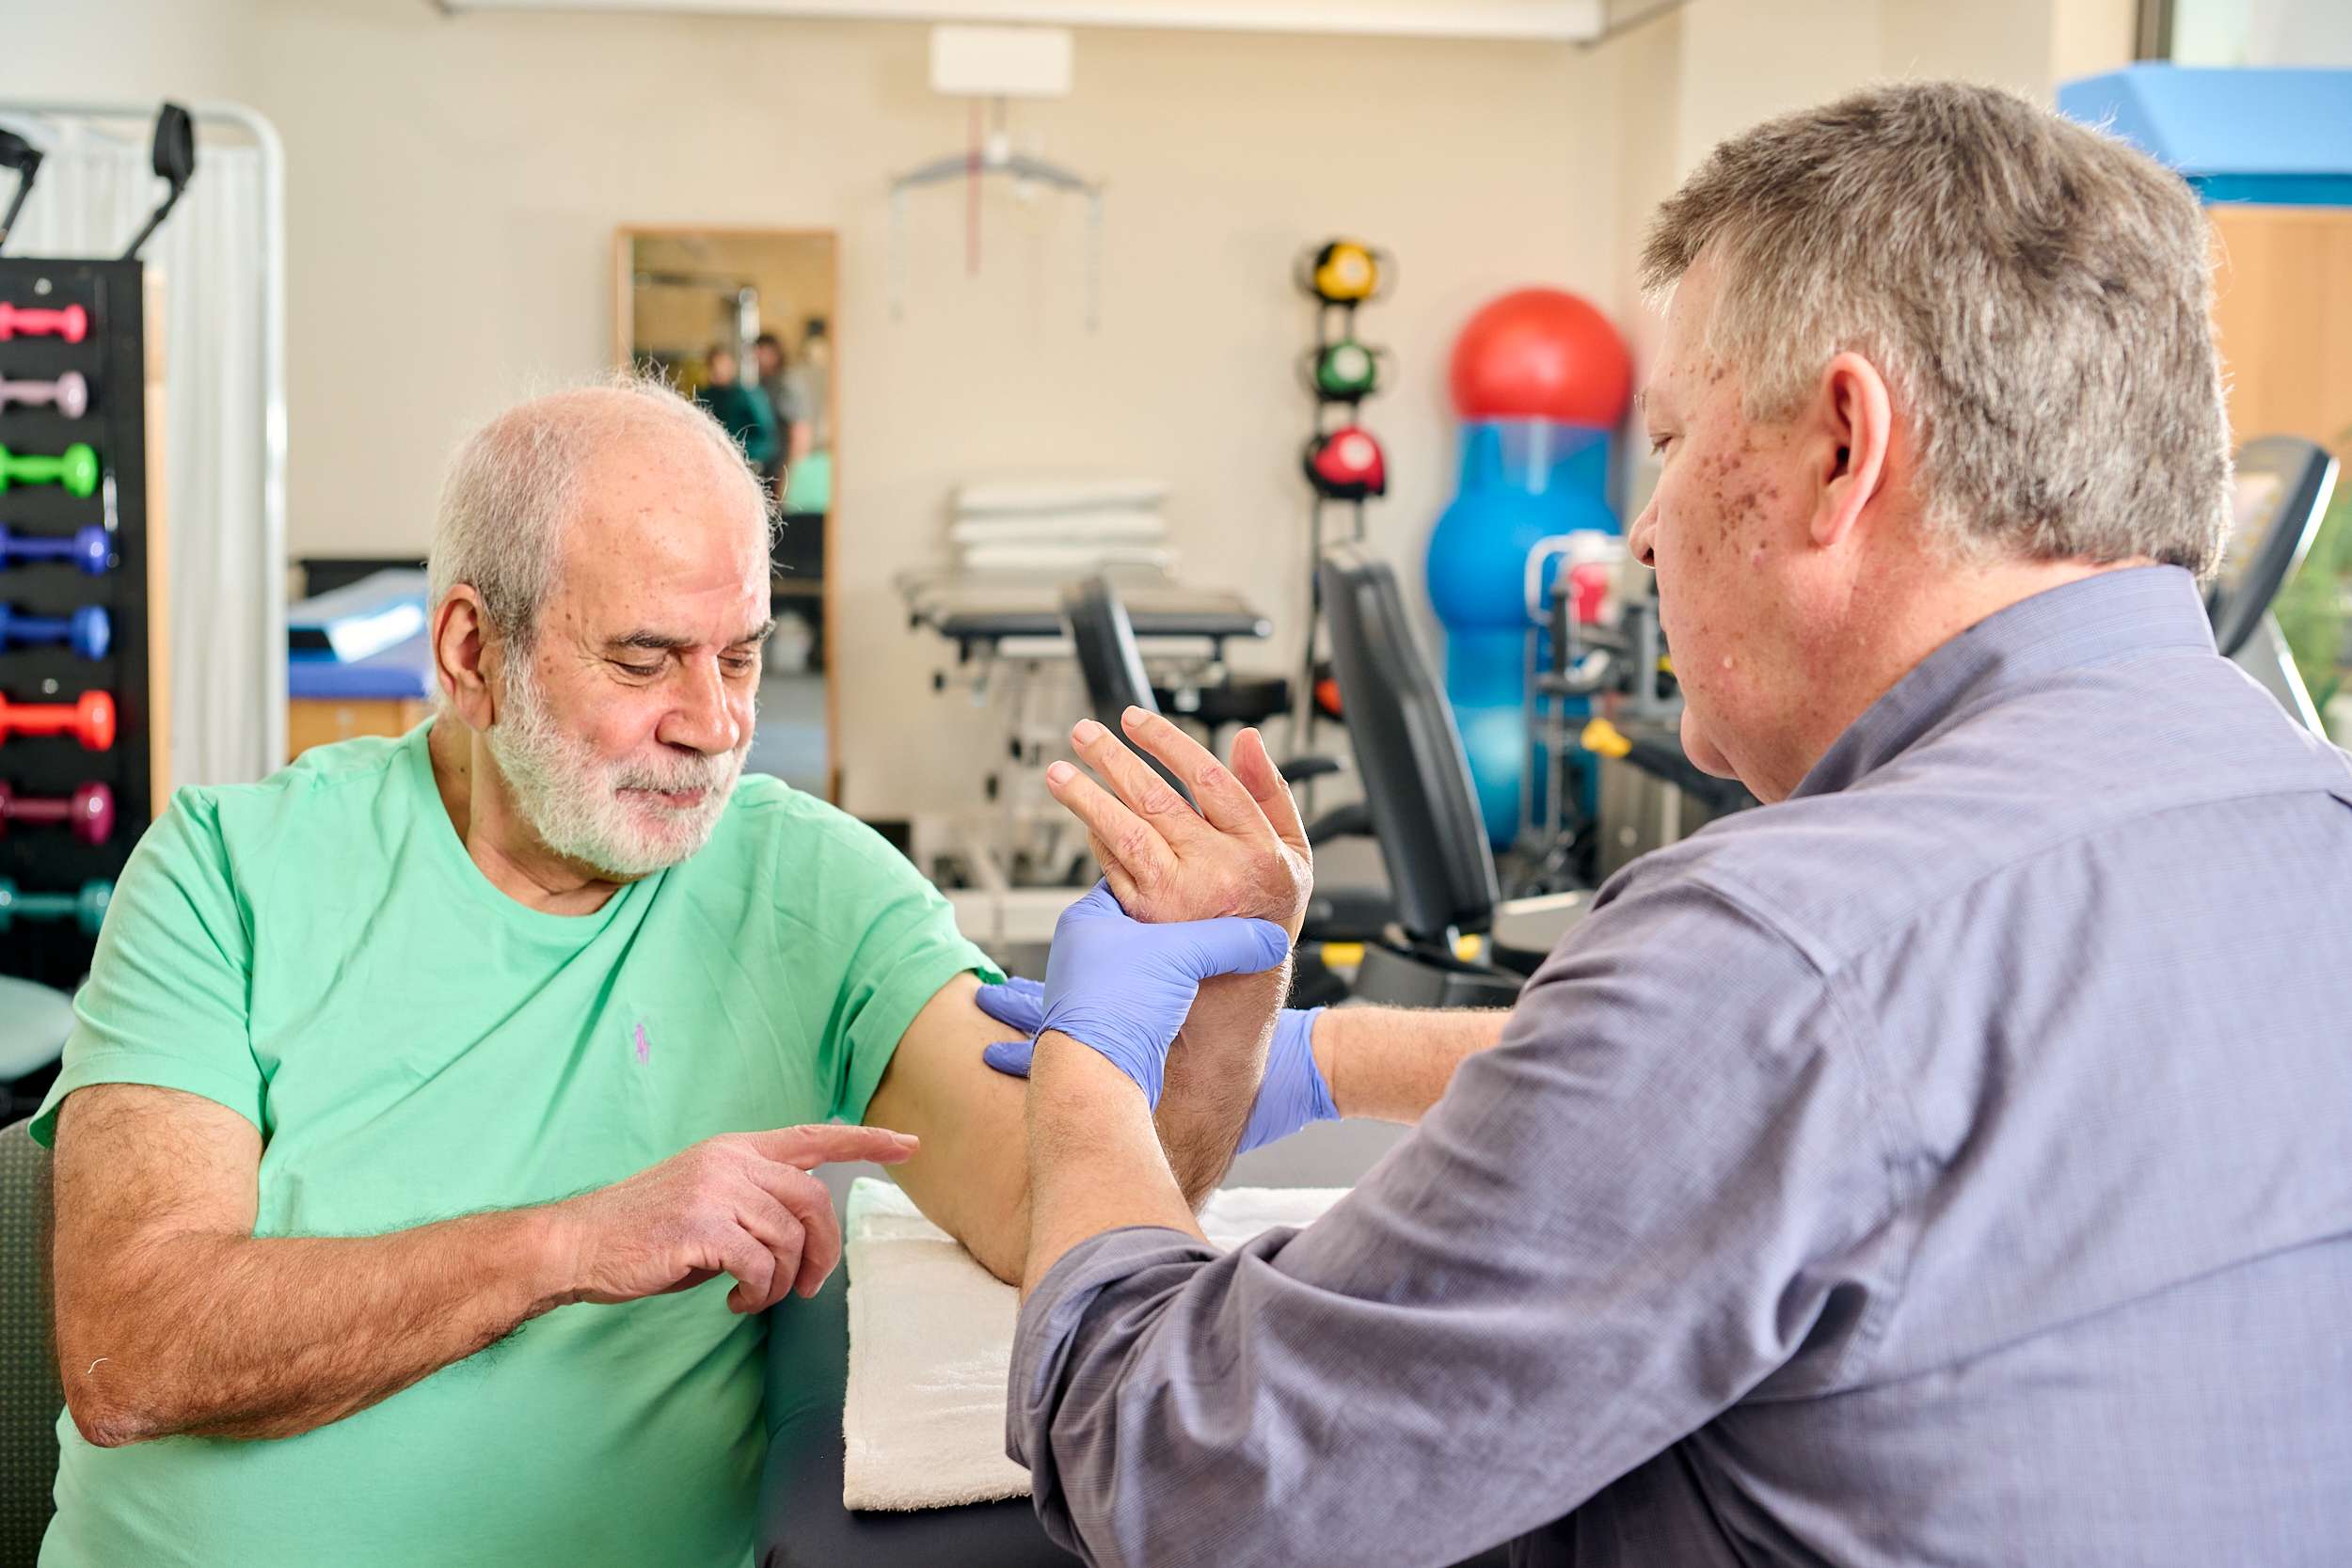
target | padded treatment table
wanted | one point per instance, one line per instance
(803, 1524)
(978, 612)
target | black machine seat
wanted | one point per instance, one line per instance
(1108, 659)
(1417, 782)
(1112, 668)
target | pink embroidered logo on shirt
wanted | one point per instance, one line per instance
(645, 1048)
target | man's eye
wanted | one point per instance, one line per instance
(642, 672)
(741, 664)
(1657, 444)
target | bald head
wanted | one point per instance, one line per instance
(521, 493)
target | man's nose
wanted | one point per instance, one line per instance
(704, 717)
(1640, 538)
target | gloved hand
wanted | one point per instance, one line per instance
(1123, 988)
(1291, 1094)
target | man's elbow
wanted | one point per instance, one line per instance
(111, 1408)
(106, 1420)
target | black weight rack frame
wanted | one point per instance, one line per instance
(112, 358)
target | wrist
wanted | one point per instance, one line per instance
(1324, 1038)
(550, 1248)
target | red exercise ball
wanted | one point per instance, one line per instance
(1541, 354)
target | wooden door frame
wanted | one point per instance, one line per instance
(623, 345)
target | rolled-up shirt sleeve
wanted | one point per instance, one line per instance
(1677, 1170)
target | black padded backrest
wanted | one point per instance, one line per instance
(1416, 777)
(1108, 659)
(2288, 481)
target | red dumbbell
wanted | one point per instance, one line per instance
(90, 720)
(72, 324)
(90, 812)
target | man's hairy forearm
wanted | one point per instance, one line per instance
(1092, 1163)
(243, 1337)
(1391, 1064)
(1213, 1074)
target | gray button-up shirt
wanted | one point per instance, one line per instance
(1949, 1165)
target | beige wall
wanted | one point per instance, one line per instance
(453, 186)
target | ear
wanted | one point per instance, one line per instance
(465, 657)
(1856, 428)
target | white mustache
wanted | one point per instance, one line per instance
(710, 773)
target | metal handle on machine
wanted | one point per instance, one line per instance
(1664, 762)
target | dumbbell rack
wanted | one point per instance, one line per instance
(123, 365)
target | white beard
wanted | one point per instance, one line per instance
(572, 798)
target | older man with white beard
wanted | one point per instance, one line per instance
(539, 1005)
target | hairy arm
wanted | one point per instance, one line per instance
(1213, 1073)
(1092, 1156)
(172, 1317)
(1392, 1064)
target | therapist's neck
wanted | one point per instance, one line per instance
(498, 837)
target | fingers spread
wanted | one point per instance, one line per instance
(1136, 782)
(1122, 839)
(1265, 784)
(1228, 806)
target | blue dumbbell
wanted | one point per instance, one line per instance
(86, 631)
(89, 548)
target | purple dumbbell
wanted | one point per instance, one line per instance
(86, 631)
(69, 393)
(89, 548)
(90, 811)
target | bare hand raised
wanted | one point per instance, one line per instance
(742, 1203)
(1243, 852)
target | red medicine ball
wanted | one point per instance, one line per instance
(1541, 354)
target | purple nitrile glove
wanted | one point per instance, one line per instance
(1123, 988)
(1290, 1095)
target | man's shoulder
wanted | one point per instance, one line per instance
(768, 819)
(1993, 793)
(321, 786)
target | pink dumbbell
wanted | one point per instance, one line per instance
(72, 324)
(70, 393)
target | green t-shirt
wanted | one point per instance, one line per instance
(317, 953)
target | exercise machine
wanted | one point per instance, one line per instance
(1007, 864)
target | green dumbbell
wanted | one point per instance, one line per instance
(88, 906)
(76, 469)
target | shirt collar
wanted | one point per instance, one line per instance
(2097, 618)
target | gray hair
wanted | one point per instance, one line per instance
(516, 485)
(2036, 293)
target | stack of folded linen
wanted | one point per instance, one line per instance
(1061, 528)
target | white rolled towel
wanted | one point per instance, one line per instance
(931, 1347)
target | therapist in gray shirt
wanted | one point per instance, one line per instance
(1949, 1162)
